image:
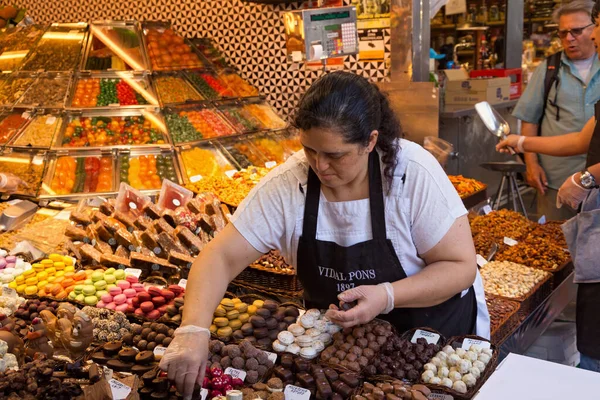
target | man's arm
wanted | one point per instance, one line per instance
(536, 176)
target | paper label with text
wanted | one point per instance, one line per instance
(133, 271)
(159, 351)
(270, 164)
(292, 392)
(510, 242)
(482, 344)
(8, 292)
(195, 178)
(119, 390)
(236, 373)
(50, 120)
(431, 337)
(542, 220)
(481, 261)
(182, 283)
(203, 394)
(439, 396)
(272, 356)
(487, 209)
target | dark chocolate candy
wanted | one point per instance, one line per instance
(128, 355)
(350, 380)
(144, 357)
(119, 366)
(142, 369)
(112, 348)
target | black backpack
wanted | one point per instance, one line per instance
(552, 68)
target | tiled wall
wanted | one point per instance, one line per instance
(250, 35)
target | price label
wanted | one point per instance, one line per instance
(542, 220)
(482, 344)
(439, 396)
(292, 392)
(203, 394)
(182, 283)
(25, 115)
(159, 351)
(481, 261)
(195, 178)
(108, 373)
(271, 356)
(119, 390)
(487, 209)
(230, 173)
(510, 242)
(236, 373)
(431, 337)
(8, 292)
(271, 164)
(133, 271)
(50, 120)
(63, 215)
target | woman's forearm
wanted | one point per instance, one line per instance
(570, 144)
(435, 284)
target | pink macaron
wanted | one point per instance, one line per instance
(106, 298)
(138, 287)
(129, 292)
(122, 307)
(123, 284)
(115, 291)
(120, 299)
(131, 278)
(111, 306)
(130, 300)
(101, 304)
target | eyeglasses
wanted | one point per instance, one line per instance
(575, 31)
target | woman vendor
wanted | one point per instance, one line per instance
(362, 215)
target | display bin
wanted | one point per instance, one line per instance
(114, 46)
(123, 128)
(48, 90)
(209, 51)
(11, 124)
(534, 298)
(28, 165)
(173, 88)
(271, 147)
(58, 50)
(210, 85)
(253, 278)
(503, 327)
(40, 131)
(561, 273)
(145, 169)
(242, 152)
(168, 50)
(201, 160)
(475, 198)
(78, 174)
(289, 138)
(13, 86)
(112, 90)
(264, 113)
(237, 84)
(16, 43)
(241, 120)
(195, 123)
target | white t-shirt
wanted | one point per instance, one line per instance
(418, 214)
(584, 67)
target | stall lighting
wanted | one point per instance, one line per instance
(137, 87)
(48, 190)
(155, 120)
(115, 48)
(9, 55)
(15, 160)
(63, 36)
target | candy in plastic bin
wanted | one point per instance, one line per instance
(173, 196)
(186, 218)
(130, 201)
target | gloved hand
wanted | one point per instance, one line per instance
(9, 183)
(186, 357)
(571, 193)
(372, 300)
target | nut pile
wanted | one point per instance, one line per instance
(502, 223)
(499, 309)
(244, 356)
(535, 252)
(395, 390)
(457, 369)
(508, 279)
(323, 382)
(308, 336)
(108, 325)
(149, 335)
(401, 359)
(355, 348)
(552, 232)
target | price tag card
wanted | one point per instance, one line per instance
(510, 242)
(133, 271)
(63, 215)
(292, 392)
(203, 394)
(271, 164)
(8, 292)
(230, 173)
(431, 337)
(542, 220)
(159, 351)
(439, 396)
(236, 373)
(108, 373)
(481, 261)
(182, 283)
(487, 209)
(119, 390)
(25, 115)
(482, 344)
(272, 356)
(50, 120)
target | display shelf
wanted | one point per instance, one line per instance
(240, 87)
(145, 169)
(16, 43)
(203, 160)
(272, 148)
(13, 86)
(11, 123)
(242, 120)
(196, 123)
(174, 89)
(243, 152)
(264, 113)
(28, 165)
(39, 133)
(114, 46)
(210, 85)
(49, 90)
(207, 47)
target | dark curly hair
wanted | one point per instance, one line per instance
(354, 107)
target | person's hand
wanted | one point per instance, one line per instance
(372, 300)
(9, 183)
(571, 193)
(186, 358)
(511, 141)
(536, 177)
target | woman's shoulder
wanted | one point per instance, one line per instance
(413, 156)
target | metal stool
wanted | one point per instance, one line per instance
(509, 170)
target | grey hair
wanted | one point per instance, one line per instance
(572, 7)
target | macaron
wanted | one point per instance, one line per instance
(89, 290)
(100, 293)
(115, 291)
(111, 306)
(100, 285)
(109, 271)
(305, 341)
(296, 329)
(285, 338)
(72, 295)
(107, 298)
(147, 306)
(88, 282)
(122, 307)
(279, 347)
(99, 304)
(97, 276)
(78, 289)
(110, 278)
(123, 284)
(129, 292)
(131, 279)
(90, 300)
(119, 274)
(138, 287)
(308, 353)
(80, 297)
(12, 266)
(120, 299)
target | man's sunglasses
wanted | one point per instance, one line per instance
(575, 31)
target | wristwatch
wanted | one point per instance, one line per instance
(587, 180)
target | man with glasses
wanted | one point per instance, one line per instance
(569, 103)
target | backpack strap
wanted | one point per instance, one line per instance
(551, 78)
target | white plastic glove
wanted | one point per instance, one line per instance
(9, 183)
(571, 193)
(186, 357)
(372, 300)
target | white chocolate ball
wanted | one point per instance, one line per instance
(454, 369)
(479, 365)
(475, 372)
(447, 382)
(475, 349)
(464, 366)
(460, 387)
(471, 355)
(453, 360)
(448, 350)
(436, 361)
(461, 352)
(431, 367)
(469, 380)
(442, 356)
(427, 375)
(489, 352)
(455, 376)
(443, 372)
(435, 380)
(484, 358)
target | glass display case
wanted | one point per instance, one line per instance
(11, 123)
(265, 114)
(110, 90)
(239, 86)
(242, 152)
(58, 50)
(12, 87)
(189, 124)
(242, 120)
(26, 164)
(47, 91)
(145, 169)
(167, 50)
(15, 45)
(39, 133)
(272, 148)
(173, 88)
(210, 85)
(203, 160)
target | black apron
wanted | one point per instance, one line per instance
(327, 269)
(588, 294)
